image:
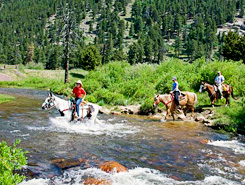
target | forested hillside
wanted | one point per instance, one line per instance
(36, 31)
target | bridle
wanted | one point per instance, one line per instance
(50, 103)
(158, 100)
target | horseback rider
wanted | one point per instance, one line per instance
(176, 92)
(219, 80)
(80, 95)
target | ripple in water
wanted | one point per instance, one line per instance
(60, 124)
(235, 145)
(137, 176)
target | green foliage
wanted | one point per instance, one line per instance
(234, 47)
(5, 98)
(90, 58)
(11, 159)
(33, 65)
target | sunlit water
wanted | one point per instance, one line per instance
(154, 152)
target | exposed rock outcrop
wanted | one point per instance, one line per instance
(112, 167)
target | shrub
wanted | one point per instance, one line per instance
(11, 159)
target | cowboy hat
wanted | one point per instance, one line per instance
(79, 82)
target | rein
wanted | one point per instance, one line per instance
(169, 101)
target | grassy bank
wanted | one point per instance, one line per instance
(118, 83)
(5, 98)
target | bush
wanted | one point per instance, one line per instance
(33, 65)
(11, 159)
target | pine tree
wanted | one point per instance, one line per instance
(29, 53)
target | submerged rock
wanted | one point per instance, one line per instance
(95, 181)
(64, 164)
(112, 166)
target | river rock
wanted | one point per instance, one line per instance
(64, 164)
(104, 110)
(112, 166)
(96, 181)
(129, 109)
(208, 122)
(200, 118)
(115, 112)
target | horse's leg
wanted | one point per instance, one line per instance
(192, 111)
(227, 101)
(213, 101)
(168, 112)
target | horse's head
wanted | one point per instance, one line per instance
(203, 87)
(156, 100)
(49, 102)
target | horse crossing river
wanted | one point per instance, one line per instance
(155, 153)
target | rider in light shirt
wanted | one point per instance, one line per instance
(176, 92)
(80, 95)
(219, 80)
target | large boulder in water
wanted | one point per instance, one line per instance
(112, 166)
(95, 181)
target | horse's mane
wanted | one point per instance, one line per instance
(59, 99)
(165, 96)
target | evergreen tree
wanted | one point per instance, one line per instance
(90, 58)
(29, 53)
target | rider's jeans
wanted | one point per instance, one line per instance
(78, 101)
(176, 97)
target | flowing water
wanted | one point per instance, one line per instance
(155, 153)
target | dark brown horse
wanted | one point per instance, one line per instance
(214, 95)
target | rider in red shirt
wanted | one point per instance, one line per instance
(78, 91)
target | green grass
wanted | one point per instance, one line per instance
(5, 98)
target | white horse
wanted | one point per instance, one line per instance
(66, 108)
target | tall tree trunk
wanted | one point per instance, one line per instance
(67, 58)
(67, 45)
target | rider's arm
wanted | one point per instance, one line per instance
(222, 79)
(216, 78)
(176, 86)
(84, 93)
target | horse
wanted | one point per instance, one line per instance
(66, 108)
(188, 100)
(214, 95)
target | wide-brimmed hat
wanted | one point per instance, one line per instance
(79, 82)
(174, 78)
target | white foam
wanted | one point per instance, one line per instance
(242, 163)
(98, 128)
(141, 176)
(35, 182)
(236, 146)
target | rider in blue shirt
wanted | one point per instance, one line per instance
(176, 92)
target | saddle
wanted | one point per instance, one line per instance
(225, 88)
(182, 95)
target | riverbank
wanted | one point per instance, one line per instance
(120, 84)
(5, 98)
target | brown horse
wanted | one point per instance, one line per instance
(213, 95)
(188, 100)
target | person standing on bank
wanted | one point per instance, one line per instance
(176, 92)
(80, 95)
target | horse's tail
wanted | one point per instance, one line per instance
(231, 89)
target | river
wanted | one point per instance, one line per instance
(154, 152)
